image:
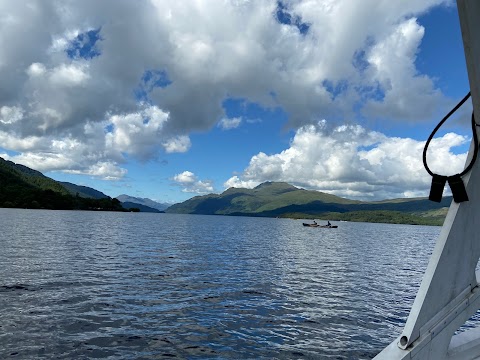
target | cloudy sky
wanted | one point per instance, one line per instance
(169, 99)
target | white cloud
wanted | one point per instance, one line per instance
(101, 148)
(139, 134)
(393, 68)
(68, 154)
(185, 177)
(190, 183)
(69, 75)
(10, 114)
(228, 124)
(104, 170)
(178, 144)
(209, 52)
(441, 159)
(60, 43)
(43, 161)
(65, 157)
(15, 143)
(236, 182)
(212, 51)
(353, 162)
(36, 69)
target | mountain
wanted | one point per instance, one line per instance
(267, 199)
(274, 199)
(83, 191)
(16, 175)
(143, 201)
(22, 187)
(140, 207)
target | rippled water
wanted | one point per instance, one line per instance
(78, 285)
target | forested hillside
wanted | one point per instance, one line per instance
(22, 187)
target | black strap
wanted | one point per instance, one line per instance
(455, 181)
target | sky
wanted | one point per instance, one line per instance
(169, 99)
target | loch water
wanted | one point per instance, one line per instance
(105, 285)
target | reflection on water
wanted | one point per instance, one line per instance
(149, 286)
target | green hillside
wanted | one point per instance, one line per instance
(22, 187)
(284, 200)
(83, 191)
(11, 174)
(266, 199)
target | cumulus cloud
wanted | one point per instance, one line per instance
(393, 70)
(102, 148)
(69, 75)
(36, 69)
(10, 115)
(236, 182)
(104, 170)
(66, 67)
(178, 144)
(137, 133)
(228, 124)
(191, 184)
(353, 162)
(23, 144)
(68, 155)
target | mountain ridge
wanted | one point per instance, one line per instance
(143, 201)
(273, 199)
(83, 191)
(139, 207)
(23, 187)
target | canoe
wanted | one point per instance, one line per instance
(321, 226)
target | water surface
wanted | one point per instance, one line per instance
(150, 286)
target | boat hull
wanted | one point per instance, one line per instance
(321, 226)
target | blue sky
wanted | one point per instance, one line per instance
(162, 100)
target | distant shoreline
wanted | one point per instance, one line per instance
(380, 216)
